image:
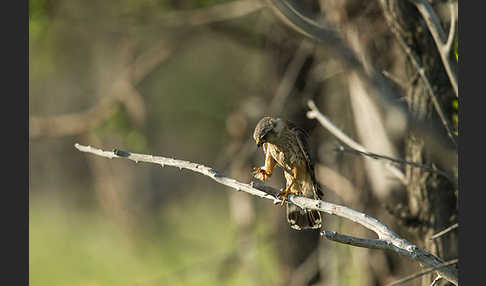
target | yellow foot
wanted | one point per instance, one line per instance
(286, 192)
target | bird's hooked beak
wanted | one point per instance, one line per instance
(259, 143)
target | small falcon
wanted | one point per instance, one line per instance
(285, 144)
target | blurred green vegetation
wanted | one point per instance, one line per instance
(70, 245)
(175, 239)
(121, 126)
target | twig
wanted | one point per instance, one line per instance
(443, 44)
(398, 161)
(389, 239)
(315, 114)
(447, 230)
(421, 273)
(436, 280)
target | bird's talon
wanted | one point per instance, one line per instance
(260, 173)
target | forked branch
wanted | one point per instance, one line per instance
(442, 41)
(387, 239)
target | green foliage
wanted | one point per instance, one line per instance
(120, 125)
(38, 19)
(72, 246)
(38, 27)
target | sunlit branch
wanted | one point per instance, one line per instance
(445, 231)
(314, 113)
(387, 239)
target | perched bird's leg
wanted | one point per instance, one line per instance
(266, 171)
(285, 193)
(289, 189)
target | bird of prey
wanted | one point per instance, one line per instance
(285, 144)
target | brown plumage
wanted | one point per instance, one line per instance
(285, 144)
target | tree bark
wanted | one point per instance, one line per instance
(431, 198)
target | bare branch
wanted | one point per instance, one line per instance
(356, 241)
(389, 239)
(315, 114)
(436, 280)
(445, 231)
(439, 36)
(122, 90)
(421, 273)
(398, 161)
(452, 29)
(181, 164)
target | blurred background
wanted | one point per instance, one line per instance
(190, 79)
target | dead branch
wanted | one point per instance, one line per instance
(398, 161)
(326, 123)
(442, 41)
(436, 280)
(123, 91)
(387, 239)
(445, 231)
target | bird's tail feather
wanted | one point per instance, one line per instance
(303, 219)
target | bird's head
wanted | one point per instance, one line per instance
(267, 130)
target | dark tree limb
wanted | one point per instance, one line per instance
(398, 161)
